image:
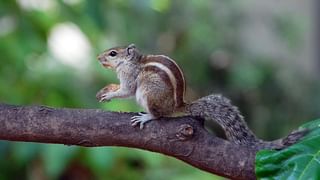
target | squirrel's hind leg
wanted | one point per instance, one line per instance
(154, 100)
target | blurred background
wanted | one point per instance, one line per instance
(264, 55)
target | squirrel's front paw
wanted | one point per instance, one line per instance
(101, 96)
(104, 98)
(103, 93)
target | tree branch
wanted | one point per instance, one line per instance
(183, 138)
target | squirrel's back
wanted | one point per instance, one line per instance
(169, 69)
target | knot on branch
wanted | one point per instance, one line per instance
(45, 110)
(185, 132)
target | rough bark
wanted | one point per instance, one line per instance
(184, 138)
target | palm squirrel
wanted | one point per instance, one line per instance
(158, 85)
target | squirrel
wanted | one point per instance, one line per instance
(158, 85)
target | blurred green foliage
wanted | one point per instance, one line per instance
(206, 39)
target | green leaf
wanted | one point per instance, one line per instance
(299, 161)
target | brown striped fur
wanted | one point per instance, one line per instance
(176, 71)
(152, 79)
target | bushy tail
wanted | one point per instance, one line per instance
(220, 109)
(290, 139)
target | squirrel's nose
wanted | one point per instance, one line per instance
(100, 57)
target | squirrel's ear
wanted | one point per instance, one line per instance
(130, 49)
(132, 46)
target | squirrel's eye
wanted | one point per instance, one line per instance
(113, 53)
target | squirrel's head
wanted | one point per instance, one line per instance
(114, 57)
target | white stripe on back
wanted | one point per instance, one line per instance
(169, 73)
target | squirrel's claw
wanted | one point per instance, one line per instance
(141, 118)
(104, 98)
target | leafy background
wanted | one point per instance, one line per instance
(259, 54)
